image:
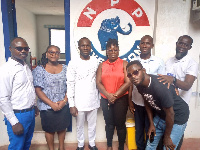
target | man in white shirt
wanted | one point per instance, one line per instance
(83, 96)
(153, 65)
(17, 96)
(181, 70)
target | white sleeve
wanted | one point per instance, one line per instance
(5, 95)
(71, 74)
(192, 69)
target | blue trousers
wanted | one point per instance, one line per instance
(141, 125)
(176, 133)
(22, 142)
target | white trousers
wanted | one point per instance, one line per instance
(91, 117)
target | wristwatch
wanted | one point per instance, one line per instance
(174, 80)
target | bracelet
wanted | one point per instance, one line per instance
(64, 100)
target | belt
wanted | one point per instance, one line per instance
(23, 110)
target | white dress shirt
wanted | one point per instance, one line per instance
(16, 89)
(81, 84)
(179, 69)
(153, 65)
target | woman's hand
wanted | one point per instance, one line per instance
(55, 106)
(61, 104)
(111, 98)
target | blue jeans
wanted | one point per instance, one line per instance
(176, 133)
(22, 142)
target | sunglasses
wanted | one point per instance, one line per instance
(21, 48)
(136, 72)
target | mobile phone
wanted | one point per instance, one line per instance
(151, 137)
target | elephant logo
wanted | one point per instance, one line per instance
(100, 20)
(109, 29)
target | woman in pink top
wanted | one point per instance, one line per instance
(113, 85)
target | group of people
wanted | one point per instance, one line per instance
(156, 93)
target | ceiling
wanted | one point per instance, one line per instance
(42, 7)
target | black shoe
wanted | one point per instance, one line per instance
(92, 148)
(80, 148)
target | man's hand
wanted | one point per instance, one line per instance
(131, 107)
(165, 79)
(18, 129)
(74, 111)
(151, 129)
(177, 92)
(167, 141)
(36, 111)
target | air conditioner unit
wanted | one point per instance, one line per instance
(195, 14)
(196, 5)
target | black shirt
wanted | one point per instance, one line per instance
(159, 96)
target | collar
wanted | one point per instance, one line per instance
(182, 59)
(15, 63)
(112, 63)
(147, 60)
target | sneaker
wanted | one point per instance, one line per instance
(92, 148)
(80, 148)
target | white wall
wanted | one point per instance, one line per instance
(43, 33)
(3, 131)
(172, 22)
(26, 28)
(192, 130)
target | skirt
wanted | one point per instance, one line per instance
(53, 121)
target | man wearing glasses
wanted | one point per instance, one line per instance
(17, 98)
(153, 65)
(171, 111)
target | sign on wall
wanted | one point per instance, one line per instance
(124, 20)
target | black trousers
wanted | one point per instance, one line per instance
(115, 116)
(141, 125)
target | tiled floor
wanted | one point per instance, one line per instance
(188, 144)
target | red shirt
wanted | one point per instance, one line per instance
(112, 76)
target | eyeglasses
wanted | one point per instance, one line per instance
(136, 72)
(115, 50)
(21, 48)
(52, 53)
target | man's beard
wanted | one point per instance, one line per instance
(181, 55)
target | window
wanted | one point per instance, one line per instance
(57, 38)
